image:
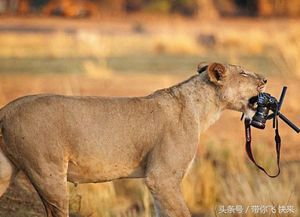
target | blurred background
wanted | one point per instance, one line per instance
(132, 48)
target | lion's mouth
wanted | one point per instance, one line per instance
(261, 88)
(251, 107)
(252, 103)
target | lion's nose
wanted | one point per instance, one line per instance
(265, 81)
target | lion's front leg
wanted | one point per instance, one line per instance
(168, 199)
(166, 167)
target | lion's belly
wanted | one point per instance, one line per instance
(104, 164)
(77, 174)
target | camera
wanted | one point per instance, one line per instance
(265, 103)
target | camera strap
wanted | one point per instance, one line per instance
(249, 150)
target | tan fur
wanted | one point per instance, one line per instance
(54, 138)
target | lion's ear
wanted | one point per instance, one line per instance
(216, 72)
(202, 67)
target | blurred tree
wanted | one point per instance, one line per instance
(185, 7)
(246, 7)
(133, 5)
(15, 6)
(197, 8)
(9, 6)
(226, 8)
(70, 8)
(37, 5)
(202, 9)
(268, 8)
(157, 6)
(206, 9)
(111, 6)
(24, 7)
(292, 8)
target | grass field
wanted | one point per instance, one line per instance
(134, 58)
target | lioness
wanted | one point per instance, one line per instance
(54, 139)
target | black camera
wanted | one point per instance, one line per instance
(265, 103)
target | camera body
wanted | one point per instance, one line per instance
(265, 103)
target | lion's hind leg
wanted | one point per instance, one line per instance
(50, 182)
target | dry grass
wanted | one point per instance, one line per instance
(221, 174)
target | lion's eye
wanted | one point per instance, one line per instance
(244, 74)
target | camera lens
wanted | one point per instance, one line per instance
(257, 124)
(260, 117)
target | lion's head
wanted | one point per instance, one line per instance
(236, 86)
